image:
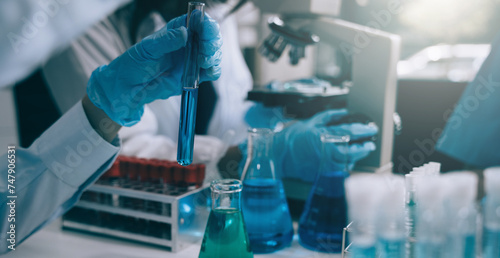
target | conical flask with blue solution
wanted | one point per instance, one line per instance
(325, 212)
(265, 208)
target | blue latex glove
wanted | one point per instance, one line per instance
(259, 116)
(297, 149)
(152, 69)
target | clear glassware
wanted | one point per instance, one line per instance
(190, 83)
(225, 234)
(491, 216)
(325, 213)
(266, 212)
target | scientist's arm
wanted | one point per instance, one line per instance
(100, 122)
(50, 175)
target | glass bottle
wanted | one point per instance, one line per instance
(266, 212)
(491, 216)
(325, 213)
(225, 234)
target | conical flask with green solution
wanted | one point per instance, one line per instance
(225, 234)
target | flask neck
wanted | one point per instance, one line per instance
(259, 162)
(334, 153)
(226, 194)
(259, 144)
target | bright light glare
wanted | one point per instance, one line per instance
(448, 20)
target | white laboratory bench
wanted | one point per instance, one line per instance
(53, 242)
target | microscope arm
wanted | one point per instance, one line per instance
(374, 55)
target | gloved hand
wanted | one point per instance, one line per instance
(259, 116)
(297, 148)
(152, 69)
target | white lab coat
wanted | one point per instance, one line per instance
(32, 30)
(51, 174)
(156, 135)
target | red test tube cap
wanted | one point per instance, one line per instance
(178, 174)
(166, 173)
(191, 176)
(143, 170)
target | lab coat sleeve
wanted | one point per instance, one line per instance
(51, 174)
(472, 132)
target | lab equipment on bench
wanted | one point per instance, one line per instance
(411, 180)
(491, 216)
(264, 204)
(460, 192)
(429, 227)
(283, 35)
(370, 54)
(150, 201)
(361, 195)
(390, 217)
(325, 212)
(225, 234)
(301, 98)
(190, 83)
(445, 218)
(376, 209)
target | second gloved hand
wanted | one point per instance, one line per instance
(152, 69)
(297, 148)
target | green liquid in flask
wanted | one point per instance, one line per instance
(225, 235)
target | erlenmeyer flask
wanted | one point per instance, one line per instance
(225, 234)
(325, 213)
(267, 217)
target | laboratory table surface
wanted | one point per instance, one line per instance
(54, 242)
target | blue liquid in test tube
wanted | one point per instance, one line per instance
(186, 127)
(190, 83)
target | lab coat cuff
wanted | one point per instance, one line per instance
(73, 150)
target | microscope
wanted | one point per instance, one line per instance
(371, 53)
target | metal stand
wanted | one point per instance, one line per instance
(345, 249)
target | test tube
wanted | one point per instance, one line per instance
(190, 83)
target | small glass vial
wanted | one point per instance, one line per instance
(491, 230)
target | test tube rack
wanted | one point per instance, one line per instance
(170, 215)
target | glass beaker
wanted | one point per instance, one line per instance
(225, 234)
(325, 213)
(266, 212)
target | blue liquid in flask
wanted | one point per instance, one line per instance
(491, 243)
(470, 246)
(362, 252)
(428, 249)
(267, 217)
(325, 214)
(394, 248)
